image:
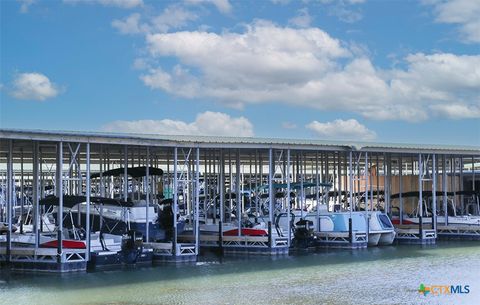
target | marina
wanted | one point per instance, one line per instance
(77, 201)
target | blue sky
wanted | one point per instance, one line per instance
(389, 71)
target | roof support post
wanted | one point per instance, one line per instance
(175, 200)
(36, 195)
(289, 199)
(22, 198)
(400, 187)
(462, 197)
(147, 195)
(221, 185)
(271, 196)
(367, 199)
(125, 173)
(59, 190)
(10, 190)
(197, 197)
(434, 192)
(237, 190)
(420, 195)
(87, 218)
(350, 175)
(444, 186)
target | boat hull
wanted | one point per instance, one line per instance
(102, 259)
(387, 238)
(246, 232)
(66, 244)
(451, 220)
(373, 238)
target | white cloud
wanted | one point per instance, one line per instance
(122, 3)
(465, 13)
(126, 4)
(223, 6)
(255, 66)
(289, 125)
(342, 130)
(345, 14)
(302, 19)
(172, 17)
(457, 111)
(206, 123)
(308, 68)
(140, 64)
(25, 5)
(433, 81)
(129, 25)
(344, 10)
(356, 1)
(281, 2)
(33, 86)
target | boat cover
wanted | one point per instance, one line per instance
(70, 201)
(134, 172)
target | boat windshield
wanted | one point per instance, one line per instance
(385, 221)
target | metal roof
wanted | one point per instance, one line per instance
(230, 142)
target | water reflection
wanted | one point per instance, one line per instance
(387, 275)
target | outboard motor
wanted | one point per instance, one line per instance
(165, 221)
(277, 223)
(132, 246)
(303, 235)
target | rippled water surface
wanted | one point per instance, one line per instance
(387, 275)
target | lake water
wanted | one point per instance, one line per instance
(386, 275)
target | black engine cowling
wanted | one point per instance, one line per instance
(132, 246)
(303, 235)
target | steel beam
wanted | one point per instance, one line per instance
(87, 195)
(175, 200)
(59, 190)
(10, 190)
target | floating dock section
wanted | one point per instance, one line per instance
(261, 245)
(44, 259)
(458, 232)
(342, 240)
(415, 236)
(170, 253)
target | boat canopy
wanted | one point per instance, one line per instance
(295, 186)
(70, 201)
(438, 193)
(134, 172)
(417, 194)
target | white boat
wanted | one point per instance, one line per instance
(466, 220)
(328, 222)
(231, 229)
(4, 228)
(381, 230)
(47, 226)
(28, 240)
(427, 198)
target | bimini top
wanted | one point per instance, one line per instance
(425, 194)
(233, 142)
(69, 201)
(294, 185)
(135, 172)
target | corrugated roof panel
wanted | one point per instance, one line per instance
(344, 145)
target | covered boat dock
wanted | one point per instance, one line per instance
(210, 182)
